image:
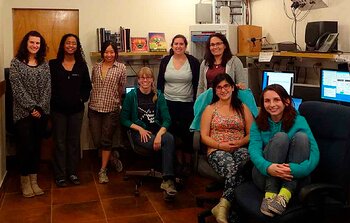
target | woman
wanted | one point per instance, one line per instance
(31, 86)
(219, 59)
(71, 86)
(146, 113)
(225, 127)
(178, 80)
(282, 148)
(108, 81)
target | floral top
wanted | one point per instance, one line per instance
(226, 128)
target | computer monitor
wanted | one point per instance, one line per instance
(335, 86)
(283, 78)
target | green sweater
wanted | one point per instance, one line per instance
(129, 113)
(259, 139)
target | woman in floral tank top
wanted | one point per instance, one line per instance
(225, 127)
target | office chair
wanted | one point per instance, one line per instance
(141, 174)
(326, 199)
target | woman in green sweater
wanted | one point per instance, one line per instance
(146, 113)
(282, 148)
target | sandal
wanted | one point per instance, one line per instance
(74, 179)
(61, 182)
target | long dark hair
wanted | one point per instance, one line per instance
(289, 112)
(209, 57)
(23, 53)
(107, 44)
(78, 54)
(171, 51)
(235, 102)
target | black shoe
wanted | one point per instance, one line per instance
(74, 179)
(61, 182)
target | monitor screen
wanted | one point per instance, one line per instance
(285, 79)
(335, 85)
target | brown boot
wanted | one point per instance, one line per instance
(34, 184)
(27, 190)
(220, 211)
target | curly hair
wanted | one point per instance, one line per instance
(209, 57)
(235, 102)
(78, 54)
(289, 112)
(23, 53)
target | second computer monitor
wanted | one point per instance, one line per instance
(283, 78)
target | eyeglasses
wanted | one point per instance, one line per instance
(145, 78)
(216, 44)
(225, 87)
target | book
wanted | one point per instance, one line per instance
(127, 40)
(157, 42)
(138, 44)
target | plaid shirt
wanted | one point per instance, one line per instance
(106, 93)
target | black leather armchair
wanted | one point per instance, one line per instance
(327, 198)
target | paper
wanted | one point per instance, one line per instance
(265, 56)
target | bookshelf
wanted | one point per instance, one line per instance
(126, 56)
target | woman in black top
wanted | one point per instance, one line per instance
(71, 87)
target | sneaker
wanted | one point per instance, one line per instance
(264, 208)
(74, 179)
(102, 176)
(169, 187)
(278, 205)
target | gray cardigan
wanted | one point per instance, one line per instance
(234, 68)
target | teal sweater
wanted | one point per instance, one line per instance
(259, 139)
(129, 113)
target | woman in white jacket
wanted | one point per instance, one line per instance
(219, 59)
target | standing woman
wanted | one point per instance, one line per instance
(71, 86)
(218, 59)
(178, 80)
(225, 127)
(31, 85)
(108, 81)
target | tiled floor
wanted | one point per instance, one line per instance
(92, 202)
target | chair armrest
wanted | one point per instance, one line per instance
(321, 194)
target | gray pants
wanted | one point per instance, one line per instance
(167, 149)
(281, 150)
(66, 136)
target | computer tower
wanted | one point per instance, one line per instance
(317, 32)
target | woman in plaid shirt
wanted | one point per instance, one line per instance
(108, 80)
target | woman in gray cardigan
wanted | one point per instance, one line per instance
(219, 59)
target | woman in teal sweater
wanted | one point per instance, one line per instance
(146, 113)
(282, 148)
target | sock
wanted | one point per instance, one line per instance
(270, 195)
(285, 193)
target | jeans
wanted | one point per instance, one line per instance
(282, 150)
(29, 133)
(229, 166)
(167, 149)
(66, 136)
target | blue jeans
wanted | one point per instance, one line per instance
(167, 149)
(229, 166)
(282, 150)
(66, 136)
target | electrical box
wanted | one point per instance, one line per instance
(310, 4)
(200, 34)
(204, 13)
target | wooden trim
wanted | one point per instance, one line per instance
(2, 88)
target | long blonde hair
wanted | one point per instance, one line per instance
(147, 72)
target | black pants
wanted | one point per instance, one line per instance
(29, 132)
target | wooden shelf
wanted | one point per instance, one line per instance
(134, 55)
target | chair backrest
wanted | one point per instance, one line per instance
(330, 125)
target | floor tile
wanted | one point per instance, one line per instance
(30, 215)
(116, 189)
(16, 201)
(74, 194)
(181, 215)
(146, 218)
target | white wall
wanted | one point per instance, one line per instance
(270, 15)
(141, 16)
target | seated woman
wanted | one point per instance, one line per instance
(225, 126)
(282, 148)
(145, 112)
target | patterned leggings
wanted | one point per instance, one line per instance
(229, 165)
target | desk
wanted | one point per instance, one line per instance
(312, 55)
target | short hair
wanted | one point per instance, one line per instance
(23, 53)
(107, 44)
(209, 57)
(78, 54)
(289, 112)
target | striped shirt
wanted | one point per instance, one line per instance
(106, 92)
